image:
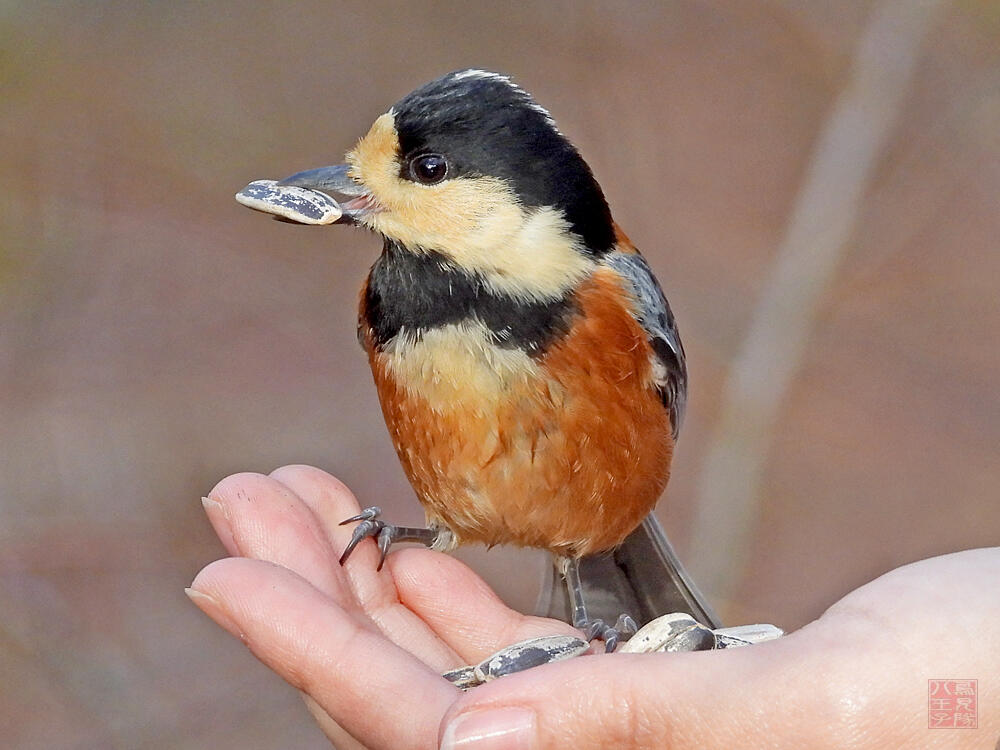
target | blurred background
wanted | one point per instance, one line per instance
(816, 185)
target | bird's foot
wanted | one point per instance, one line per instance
(621, 631)
(386, 534)
(370, 526)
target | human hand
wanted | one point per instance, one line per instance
(367, 648)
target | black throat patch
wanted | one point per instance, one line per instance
(409, 293)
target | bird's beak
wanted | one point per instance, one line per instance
(338, 182)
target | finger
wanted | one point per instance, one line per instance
(379, 693)
(374, 590)
(337, 735)
(461, 607)
(331, 502)
(739, 698)
(260, 518)
(263, 519)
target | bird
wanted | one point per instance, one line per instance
(528, 365)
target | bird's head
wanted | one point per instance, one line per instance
(469, 167)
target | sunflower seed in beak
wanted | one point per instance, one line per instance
(296, 204)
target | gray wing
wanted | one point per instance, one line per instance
(654, 315)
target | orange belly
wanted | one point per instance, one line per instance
(567, 451)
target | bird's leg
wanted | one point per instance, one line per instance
(387, 534)
(624, 627)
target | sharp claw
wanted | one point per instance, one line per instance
(610, 641)
(384, 542)
(368, 514)
(347, 552)
(626, 625)
(360, 533)
(594, 629)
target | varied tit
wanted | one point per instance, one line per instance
(527, 363)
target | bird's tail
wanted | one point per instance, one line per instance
(642, 577)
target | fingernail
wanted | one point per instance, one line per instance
(210, 504)
(498, 729)
(211, 607)
(217, 515)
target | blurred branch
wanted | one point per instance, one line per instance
(817, 237)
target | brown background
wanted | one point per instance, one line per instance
(155, 336)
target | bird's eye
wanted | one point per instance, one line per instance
(429, 168)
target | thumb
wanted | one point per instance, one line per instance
(729, 698)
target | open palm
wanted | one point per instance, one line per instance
(367, 648)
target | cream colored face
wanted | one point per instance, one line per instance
(477, 222)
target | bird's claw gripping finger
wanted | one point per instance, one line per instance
(624, 627)
(370, 526)
(385, 534)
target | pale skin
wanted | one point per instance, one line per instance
(366, 648)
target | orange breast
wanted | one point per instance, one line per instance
(567, 451)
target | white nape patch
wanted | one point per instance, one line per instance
(456, 365)
(486, 75)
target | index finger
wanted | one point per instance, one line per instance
(460, 606)
(377, 691)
